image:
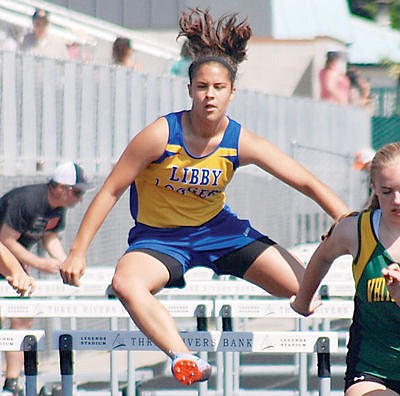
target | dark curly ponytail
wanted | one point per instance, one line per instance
(223, 41)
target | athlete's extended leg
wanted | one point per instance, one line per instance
(276, 271)
(137, 278)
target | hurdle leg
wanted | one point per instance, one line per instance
(114, 362)
(202, 325)
(303, 371)
(219, 361)
(228, 356)
(324, 366)
(66, 364)
(30, 365)
(220, 373)
(131, 366)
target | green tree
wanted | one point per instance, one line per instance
(395, 14)
(369, 9)
(363, 8)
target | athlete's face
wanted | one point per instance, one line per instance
(386, 185)
(211, 90)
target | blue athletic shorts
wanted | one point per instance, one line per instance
(225, 244)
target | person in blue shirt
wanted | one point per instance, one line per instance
(180, 68)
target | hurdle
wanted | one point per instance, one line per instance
(102, 308)
(28, 341)
(321, 343)
(245, 299)
(202, 309)
(268, 308)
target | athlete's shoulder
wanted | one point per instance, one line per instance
(347, 224)
(150, 143)
(344, 234)
(174, 116)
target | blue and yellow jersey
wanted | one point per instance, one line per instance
(180, 189)
(374, 345)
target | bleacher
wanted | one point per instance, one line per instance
(93, 36)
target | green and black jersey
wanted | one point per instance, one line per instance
(374, 344)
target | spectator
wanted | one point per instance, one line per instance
(181, 66)
(359, 89)
(13, 40)
(40, 42)
(78, 51)
(122, 54)
(335, 85)
(363, 159)
(30, 214)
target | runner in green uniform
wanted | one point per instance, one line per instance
(372, 237)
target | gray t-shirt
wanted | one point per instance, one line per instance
(26, 209)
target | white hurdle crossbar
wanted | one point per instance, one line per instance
(52, 288)
(94, 308)
(279, 309)
(28, 341)
(224, 341)
(237, 288)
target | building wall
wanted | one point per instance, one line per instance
(286, 67)
(163, 14)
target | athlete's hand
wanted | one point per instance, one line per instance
(22, 283)
(302, 308)
(72, 269)
(392, 277)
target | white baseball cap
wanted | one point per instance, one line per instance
(71, 174)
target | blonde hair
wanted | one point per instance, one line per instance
(383, 157)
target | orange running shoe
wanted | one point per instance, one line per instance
(188, 368)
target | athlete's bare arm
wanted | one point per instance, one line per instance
(343, 240)
(147, 146)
